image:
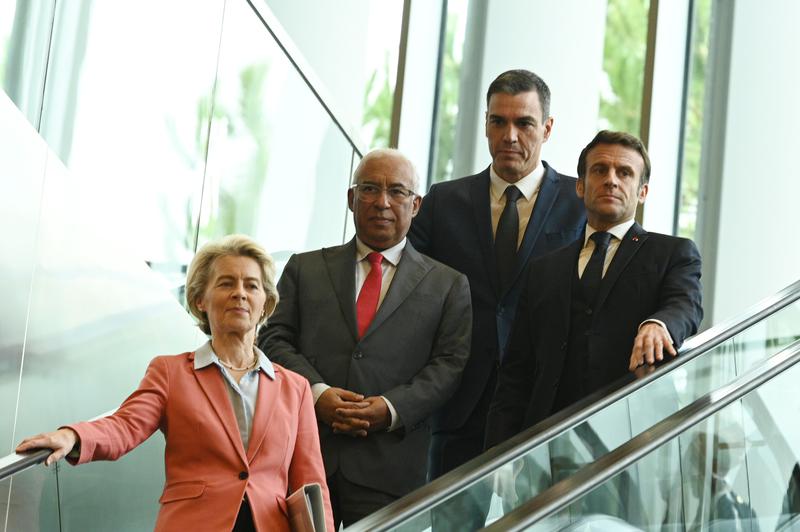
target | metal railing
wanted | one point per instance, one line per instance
(16, 463)
(447, 485)
(569, 490)
(465, 475)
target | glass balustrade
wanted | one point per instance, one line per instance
(525, 474)
(221, 135)
(736, 470)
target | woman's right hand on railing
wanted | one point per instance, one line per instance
(61, 442)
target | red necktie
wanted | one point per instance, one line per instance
(367, 302)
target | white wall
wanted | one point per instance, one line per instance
(758, 251)
(561, 41)
(758, 247)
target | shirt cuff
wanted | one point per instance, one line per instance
(663, 325)
(318, 389)
(394, 419)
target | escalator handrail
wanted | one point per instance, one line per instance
(18, 462)
(586, 479)
(470, 472)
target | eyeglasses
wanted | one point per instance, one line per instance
(396, 193)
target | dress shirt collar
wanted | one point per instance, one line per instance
(205, 356)
(528, 185)
(618, 231)
(392, 254)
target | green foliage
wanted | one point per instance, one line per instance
(448, 106)
(378, 103)
(694, 120)
(623, 62)
(233, 203)
(624, 53)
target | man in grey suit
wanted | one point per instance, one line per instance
(381, 332)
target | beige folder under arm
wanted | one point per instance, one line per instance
(306, 510)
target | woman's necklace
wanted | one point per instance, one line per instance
(252, 365)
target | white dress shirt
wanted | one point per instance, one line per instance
(528, 185)
(244, 393)
(617, 234)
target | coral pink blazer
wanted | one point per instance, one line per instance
(208, 471)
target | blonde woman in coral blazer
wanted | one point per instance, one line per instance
(241, 433)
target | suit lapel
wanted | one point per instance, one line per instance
(567, 270)
(481, 207)
(213, 387)
(548, 192)
(628, 247)
(341, 263)
(268, 391)
(410, 271)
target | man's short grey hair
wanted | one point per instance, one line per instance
(388, 152)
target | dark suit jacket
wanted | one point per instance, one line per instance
(413, 354)
(454, 226)
(652, 276)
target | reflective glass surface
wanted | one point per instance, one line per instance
(97, 246)
(34, 505)
(278, 167)
(521, 479)
(736, 471)
(82, 317)
(7, 11)
(21, 178)
(25, 28)
(352, 47)
(129, 116)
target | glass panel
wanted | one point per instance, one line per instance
(278, 167)
(738, 470)
(7, 11)
(98, 314)
(129, 117)
(692, 142)
(33, 502)
(352, 47)
(119, 496)
(23, 156)
(623, 65)
(523, 478)
(610, 54)
(452, 55)
(25, 28)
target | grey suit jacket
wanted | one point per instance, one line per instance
(413, 353)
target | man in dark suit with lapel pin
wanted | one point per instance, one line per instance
(381, 332)
(615, 300)
(471, 225)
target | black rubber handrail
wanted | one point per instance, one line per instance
(465, 475)
(586, 479)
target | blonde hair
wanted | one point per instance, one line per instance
(229, 246)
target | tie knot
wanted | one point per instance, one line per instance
(375, 259)
(512, 193)
(601, 238)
